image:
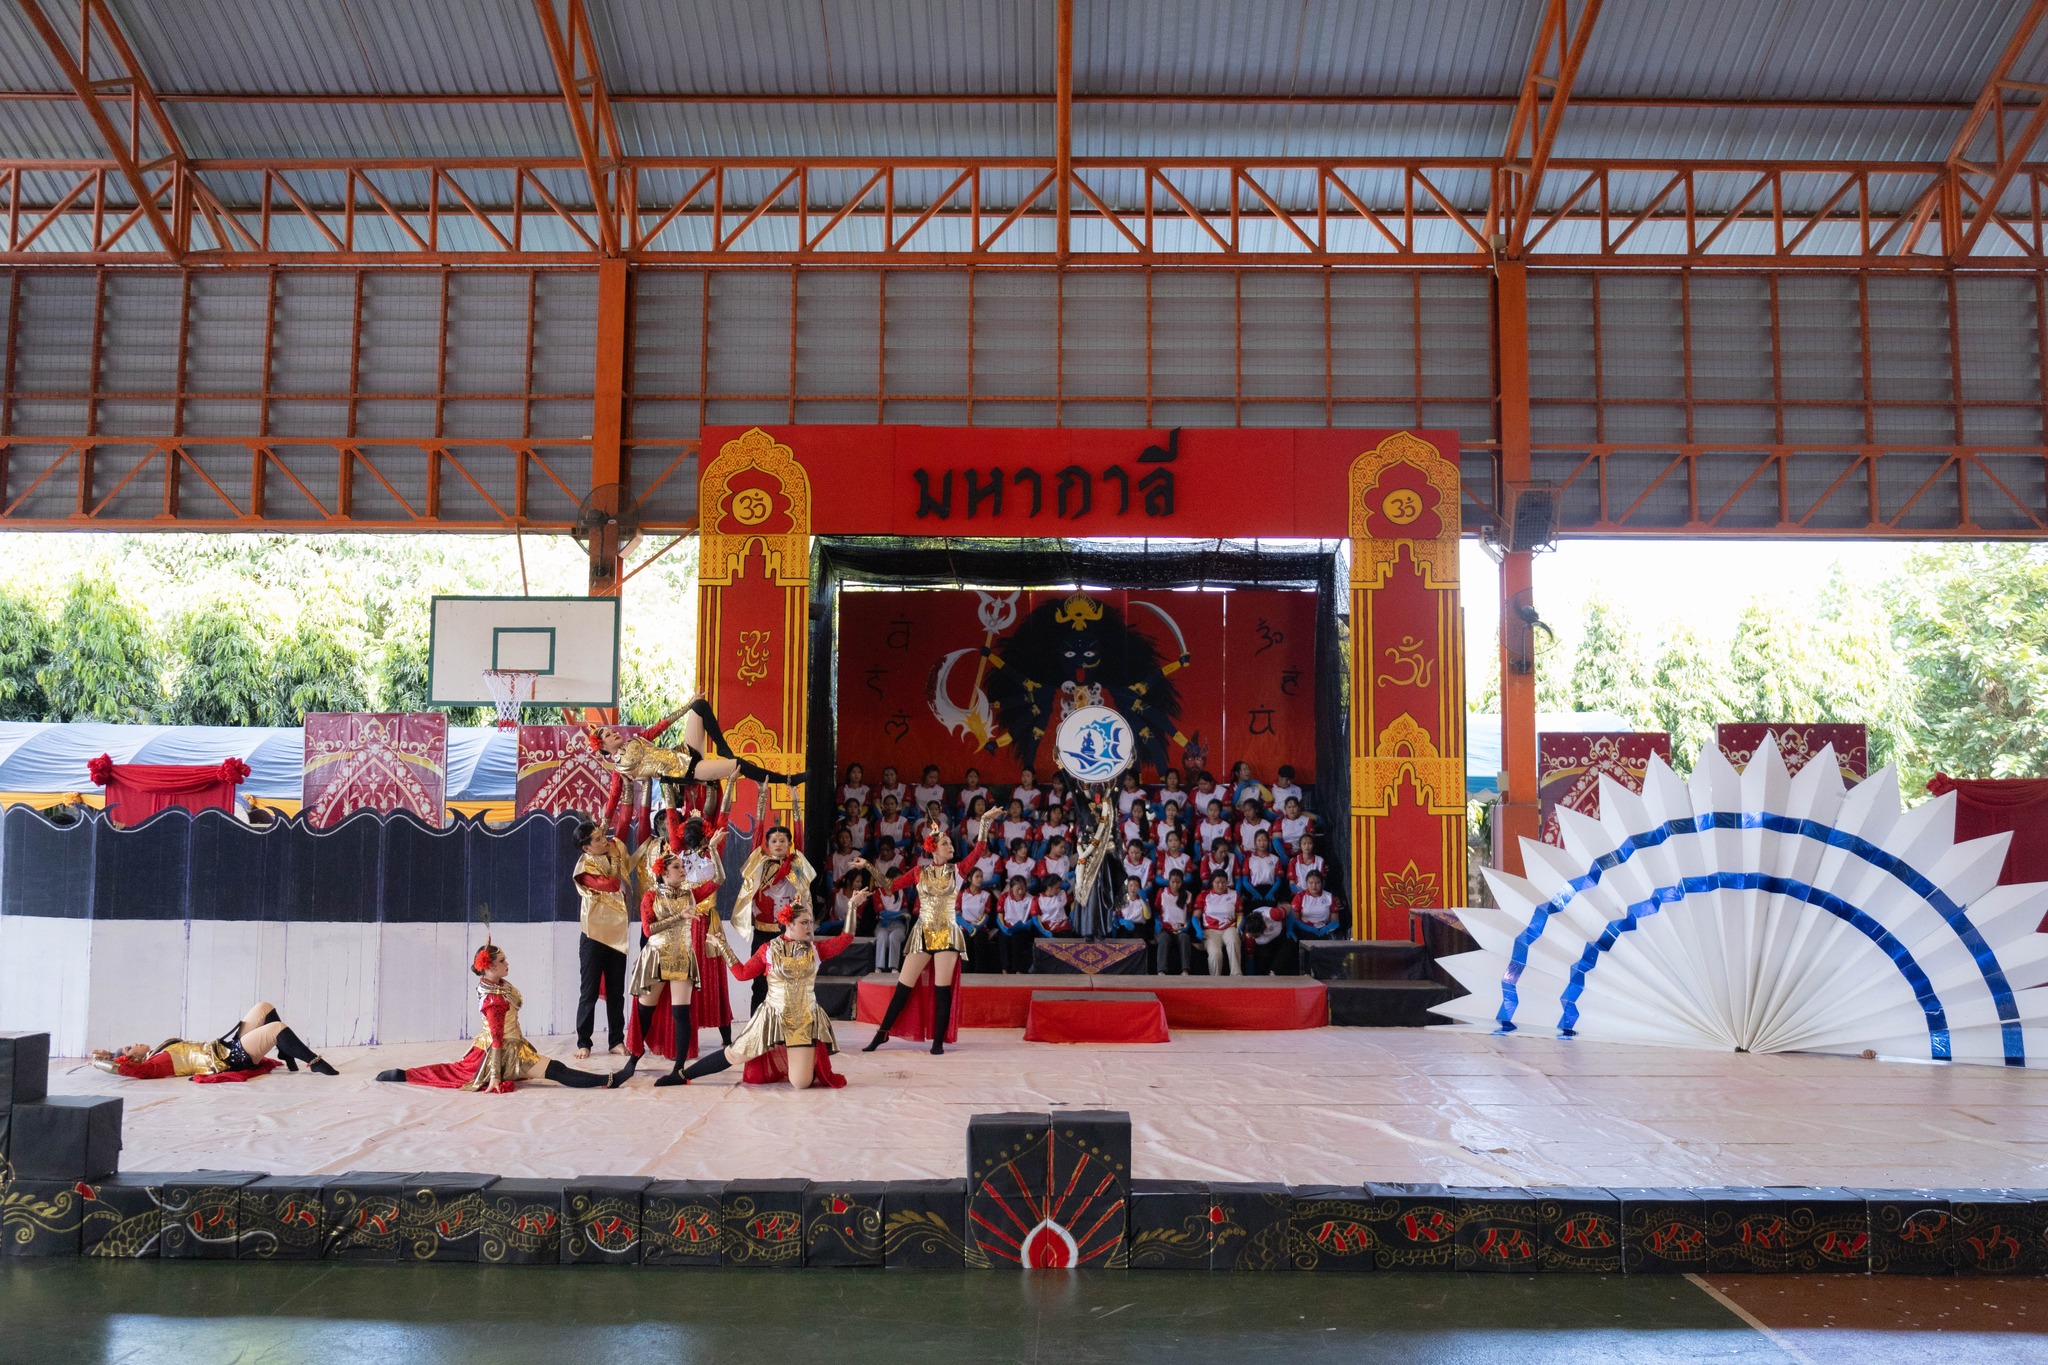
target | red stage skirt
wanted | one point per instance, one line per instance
(710, 1005)
(915, 1023)
(772, 1068)
(449, 1075)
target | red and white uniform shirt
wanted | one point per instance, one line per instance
(926, 795)
(1315, 910)
(1023, 867)
(1219, 909)
(1052, 911)
(1262, 869)
(1247, 829)
(856, 792)
(1032, 797)
(1175, 862)
(1173, 909)
(974, 907)
(1125, 800)
(1061, 867)
(1292, 827)
(1209, 831)
(1016, 829)
(1299, 867)
(1138, 870)
(1017, 909)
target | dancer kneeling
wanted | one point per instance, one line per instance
(937, 937)
(789, 1034)
(500, 1054)
(240, 1054)
(669, 915)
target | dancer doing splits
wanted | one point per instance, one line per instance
(671, 962)
(240, 1054)
(500, 1054)
(936, 938)
(789, 1035)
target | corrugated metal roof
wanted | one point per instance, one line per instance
(24, 63)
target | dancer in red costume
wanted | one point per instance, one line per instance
(676, 957)
(936, 938)
(790, 1036)
(500, 1055)
(240, 1054)
(694, 845)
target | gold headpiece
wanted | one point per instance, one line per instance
(1078, 611)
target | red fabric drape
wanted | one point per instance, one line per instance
(1990, 805)
(136, 791)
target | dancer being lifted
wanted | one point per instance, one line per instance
(240, 1054)
(637, 758)
(937, 938)
(500, 1054)
(684, 945)
(790, 1035)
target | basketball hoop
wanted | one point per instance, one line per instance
(510, 689)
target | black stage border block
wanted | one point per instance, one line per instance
(441, 1217)
(6, 1120)
(66, 1137)
(843, 1223)
(1912, 1232)
(924, 1224)
(364, 1215)
(1097, 1206)
(1499, 1229)
(601, 1219)
(282, 1218)
(1746, 1229)
(679, 1222)
(41, 1218)
(200, 1209)
(992, 1141)
(24, 1067)
(2000, 1232)
(1330, 1228)
(124, 1215)
(1581, 1226)
(1827, 1230)
(1252, 1226)
(1414, 1227)
(522, 1223)
(1173, 1224)
(1663, 1231)
(761, 1223)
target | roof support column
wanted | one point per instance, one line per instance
(608, 419)
(1063, 128)
(1515, 817)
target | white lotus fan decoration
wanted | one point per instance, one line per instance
(1763, 912)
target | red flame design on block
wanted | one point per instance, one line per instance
(1049, 1247)
(1066, 1214)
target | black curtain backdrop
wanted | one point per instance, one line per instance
(900, 562)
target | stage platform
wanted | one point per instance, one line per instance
(1254, 1003)
(1322, 1106)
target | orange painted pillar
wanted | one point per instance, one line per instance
(1516, 817)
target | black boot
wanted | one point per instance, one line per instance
(570, 1076)
(294, 1050)
(395, 1074)
(942, 1015)
(685, 1031)
(896, 1004)
(709, 1065)
(725, 1035)
(749, 768)
(714, 733)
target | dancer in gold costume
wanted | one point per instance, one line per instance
(500, 1055)
(937, 938)
(790, 1035)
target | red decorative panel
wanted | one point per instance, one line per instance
(380, 761)
(1799, 743)
(558, 772)
(1570, 765)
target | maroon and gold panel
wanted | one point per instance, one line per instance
(1798, 745)
(1569, 766)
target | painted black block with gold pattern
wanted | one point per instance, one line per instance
(2000, 1232)
(124, 1216)
(601, 1220)
(1663, 1231)
(1826, 1230)
(1049, 1191)
(924, 1224)
(843, 1223)
(1499, 1229)
(679, 1222)
(1251, 1226)
(364, 1215)
(1173, 1224)
(1414, 1227)
(41, 1218)
(202, 1215)
(522, 1223)
(1746, 1230)
(1331, 1228)
(282, 1218)
(762, 1223)
(1912, 1232)
(1581, 1229)
(442, 1216)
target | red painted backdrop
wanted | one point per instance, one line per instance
(558, 772)
(1247, 693)
(380, 761)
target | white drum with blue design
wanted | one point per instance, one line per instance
(1095, 744)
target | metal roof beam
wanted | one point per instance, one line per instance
(1546, 90)
(1981, 169)
(590, 114)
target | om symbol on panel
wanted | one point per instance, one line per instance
(752, 506)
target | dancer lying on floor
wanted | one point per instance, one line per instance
(500, 1054)
(937, 938)
(240, 1054)
(789, 1034)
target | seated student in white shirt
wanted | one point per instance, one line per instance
(855, 821)
(1130, 792)
(847, 900)
(1251, 818)
(971, 791)
(1305, 860)
(1058, 862)
(1171, 793)
(892, 926)
(1271, 949)
(977, 915)
(990, 863)
(1214, 825)
(1315, 910)
(887, 862)
(892, 824)
(1222, 858)
(1057, 826)
(1053, 921)
(1134, 916)
(1018, 925)
(1221, 910)
(891, 785)
(1243, 784)
(1017, 824)
(855, 788)
(1027, 791)
(1173, 858)
(1173, 941)
(1261, 875)
(1137, 867)
(929, 788)
(1294, 824)
(844, 854)
(1020, 863)
(1137, 828)
(1286, 787)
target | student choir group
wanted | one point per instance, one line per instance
(1227, 866)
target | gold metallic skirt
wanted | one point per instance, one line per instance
(667, 957)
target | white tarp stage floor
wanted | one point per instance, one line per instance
(1323, 1106)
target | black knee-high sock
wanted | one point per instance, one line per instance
(710, 1064)
(395, 1074)
(889, 1016)
(271, 1017)
(749, 768)
(686, 1031)
(714, 733)
(942, 1015)
(292, 1048)
(570, 1076)
(643, 1015)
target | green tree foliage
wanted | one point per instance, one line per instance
(1610, 672)
(318, 669)
(108, 663)
(1862, 678)
(26, 639)
(1773, 668)
(1689, 693)
(1972, 625)
(225, 674)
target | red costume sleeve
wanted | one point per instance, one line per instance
(904, 882)
(656, 730)
(753, 966)
(494, 1010)
(647, 912)
(155, 1067)
(833, 947)
(593, 882)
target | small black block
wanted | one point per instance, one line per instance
(761, 1223)
(1581, 1229)
(601, 1220)
(24, 1067)
(1252, 1226)
(1385, 1004)
(2000, 1232)
(1912, 1232)
(1663, 1231)
(200, 1214)
(364, 1215)
(1331, 1228)
(1072, 1169)
(924, 1225)
(679, 1222)
(522, 1223)
(1826, 1230)
(282, 1218)
(441, 1217)
(1414, 1227)
(41, 1218)
(124, 1216)
(1498, 1229)
(66, 1137)
(843, 1223)
(1746, 1229)
(1173, 1225)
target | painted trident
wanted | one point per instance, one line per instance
(976, 721)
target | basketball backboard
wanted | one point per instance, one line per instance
(572, 643)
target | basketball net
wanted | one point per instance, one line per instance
(510, 689)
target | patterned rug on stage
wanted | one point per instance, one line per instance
(1117, 957)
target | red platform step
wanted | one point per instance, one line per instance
(1249, 1003)
(1095, 1017)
